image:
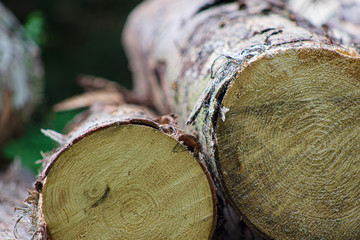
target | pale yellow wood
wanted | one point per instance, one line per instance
(127, 182)
(236, 73)
(290, 145)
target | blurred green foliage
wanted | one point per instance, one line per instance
(35, 27)
(29, 146)
(75, 37)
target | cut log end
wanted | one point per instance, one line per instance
(128, 182)
(289, 146)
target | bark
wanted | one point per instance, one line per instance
(271, 100)
(20, 75)
(14, 222)
(122, 174)
(339, 18)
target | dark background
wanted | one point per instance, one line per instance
(76, 37)
(80, 36)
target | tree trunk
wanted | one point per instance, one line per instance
(274, 103)
(14, 222)
(339, 18)
(20, 75)
(121, 174)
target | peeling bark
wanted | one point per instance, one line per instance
(14, 221)
(220, 58)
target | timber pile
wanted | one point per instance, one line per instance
(20, 76)
(273, 100)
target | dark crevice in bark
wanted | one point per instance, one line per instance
(213, 4)
(159, 72)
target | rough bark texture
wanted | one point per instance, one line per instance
(261, 89)
(339, 18)
(14, 222)
(122, 174)
(20, 75)
(211, 46)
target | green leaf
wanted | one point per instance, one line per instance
(35, 27)
(29, 147)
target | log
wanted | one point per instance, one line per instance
(20, 75)
(274, 103)
(15, 223)
(121, 174)
(339, 18)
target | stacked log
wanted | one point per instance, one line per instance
(338, 18)
(14, 220)
(272, 99)
(123, 174)
(20, 76)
